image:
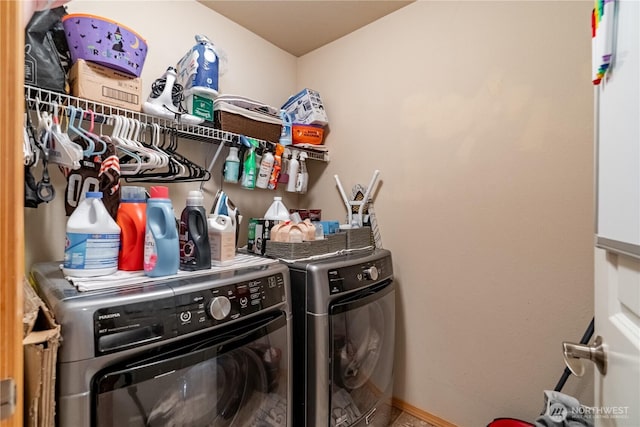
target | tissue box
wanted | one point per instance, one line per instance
(306, 107)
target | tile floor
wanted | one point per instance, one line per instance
(402, 419)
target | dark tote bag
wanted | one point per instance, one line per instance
(46, 53)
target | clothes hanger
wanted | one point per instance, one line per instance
(127, 167)
(89, 133)
(62, 150)
(89, 149)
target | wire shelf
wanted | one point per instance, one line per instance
(203, 132)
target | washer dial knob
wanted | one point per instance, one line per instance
(371, 273)
(220, 307)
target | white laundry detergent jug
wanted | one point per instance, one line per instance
(92, 241)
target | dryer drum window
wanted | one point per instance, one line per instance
(217, 381)
(362, 348)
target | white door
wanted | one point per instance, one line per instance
(617, 255)
(617, 313)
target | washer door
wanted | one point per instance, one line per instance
(233, 378)
(362, 348)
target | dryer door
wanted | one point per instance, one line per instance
(235, 377)
(362, 347)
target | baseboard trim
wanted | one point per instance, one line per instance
(420, 414)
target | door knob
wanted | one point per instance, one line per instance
(575, 353)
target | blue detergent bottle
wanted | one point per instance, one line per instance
(161, 244)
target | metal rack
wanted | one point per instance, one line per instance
(203, 132)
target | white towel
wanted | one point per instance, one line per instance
(125, 278)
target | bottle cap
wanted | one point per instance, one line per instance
(159, 192)
(130, 193)
(94, 195)
(195, 198)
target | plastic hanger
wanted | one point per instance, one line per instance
(62, 150)
(73, 111)
(89, 133)
(126, 167)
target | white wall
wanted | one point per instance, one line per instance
(479, 116)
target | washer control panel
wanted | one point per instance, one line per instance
(216, 306)
(125, 326)
(355, 276)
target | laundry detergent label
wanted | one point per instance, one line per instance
(150, 252)
(91, 251)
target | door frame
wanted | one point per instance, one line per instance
(11, 200)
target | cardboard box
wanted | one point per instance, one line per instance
(95, 82)
(306, 108)
(199, 105)
(41, 341)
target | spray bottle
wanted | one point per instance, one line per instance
(266, 165)
(285, 135)
(284, 172)
(277, 167)
(303, 176)
(294, 165)
(232, 166)
(249, 167)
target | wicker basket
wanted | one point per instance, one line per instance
(286, 250)
(336, 241)
(358, 238)
(236, 123)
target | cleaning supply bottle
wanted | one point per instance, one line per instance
(303, 176)
(277, 167)
(232, 166)
(277, 211)
(264, 173)
(195, 253)
(285, 134)
(132, 219)
(92, 240)
(284, 172)
(222, 239)
(248, 180)
(161, 245)
(293, 172)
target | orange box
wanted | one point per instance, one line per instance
(307, 134)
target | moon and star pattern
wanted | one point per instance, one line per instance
(106, 43)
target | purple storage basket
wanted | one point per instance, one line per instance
(106, 42)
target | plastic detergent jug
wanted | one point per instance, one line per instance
(195, 253)
(92, 241)
(222, 239)
(277, 211)
(161, 246)
(132, 219)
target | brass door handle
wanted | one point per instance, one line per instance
(575, 353)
